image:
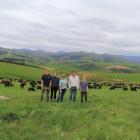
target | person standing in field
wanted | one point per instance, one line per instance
(54, 86)
(84, 89)
(62, 88)
(73, 85)
(45, 84)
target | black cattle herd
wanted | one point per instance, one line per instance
(36, 85)
(114, 85)
(33, 85)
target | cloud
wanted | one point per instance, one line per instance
(77, 25)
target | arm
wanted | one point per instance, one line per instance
(58, 81)
(50, 81)
(78, 82)
(87, 86)
(69, 82)
(60, 84)
(66, 83)
(80, 86)
(42, 83)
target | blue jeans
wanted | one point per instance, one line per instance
(73, 92)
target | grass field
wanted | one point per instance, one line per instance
(108, 115)
(8, 70)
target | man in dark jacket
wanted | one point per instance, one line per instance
(54, 86)
(45, 84)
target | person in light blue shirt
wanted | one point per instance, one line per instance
(62, 88)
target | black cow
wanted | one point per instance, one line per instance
(112, 87)
(39, 82)
(125, 88)
(133, 87)
(31, 89)
(97, 86)
(38, 87)
(7, 83)
(90, 85)
(22, 85)
(33, 84)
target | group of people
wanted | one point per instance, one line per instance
(51, 84)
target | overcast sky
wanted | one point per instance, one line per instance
(101, 26)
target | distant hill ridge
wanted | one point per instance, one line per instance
(80, 60)
(67, 55)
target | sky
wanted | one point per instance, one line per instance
(100, 26)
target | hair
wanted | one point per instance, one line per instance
(73, 71)
(63, 75)
(46, 70)
(84, 77)
(54, 73)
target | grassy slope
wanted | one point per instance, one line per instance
(18, 71)
(107, 116)
(128, 77)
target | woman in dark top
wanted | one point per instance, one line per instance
(45, 84)
(54, 86)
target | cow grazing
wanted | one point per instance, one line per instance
(31, 89)
(90, 85)
(7, 83)
(39, 82)
(38, 87)
(97, 86)
(125, 88)
(113, 87)
(33, 84)
(133, 88)
(22, 85)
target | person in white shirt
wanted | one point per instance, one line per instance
(73, 85)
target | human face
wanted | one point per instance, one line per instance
(73, 73)
(46, 72)
(84, 78)
(54, 74)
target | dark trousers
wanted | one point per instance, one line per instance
(83, 95)
(61, 95)
(53, 92)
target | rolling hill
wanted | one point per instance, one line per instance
(69, 60)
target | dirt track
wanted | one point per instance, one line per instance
(3, 98)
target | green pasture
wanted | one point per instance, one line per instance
(8, 70)
(108, 115)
